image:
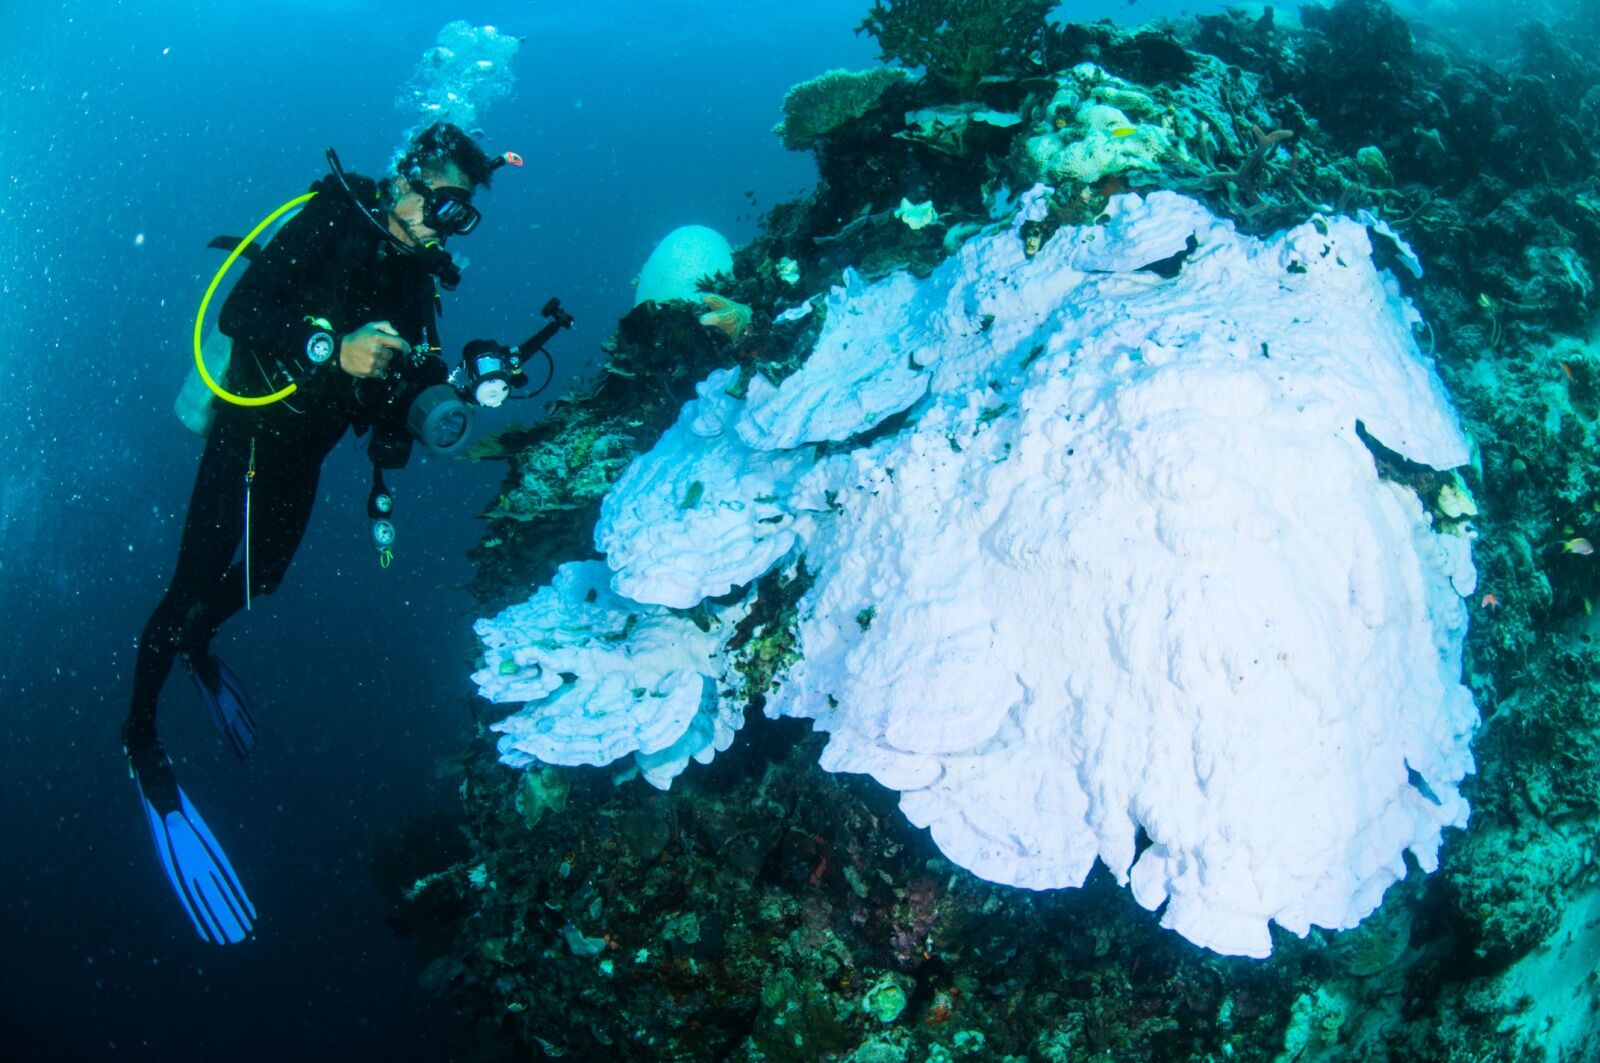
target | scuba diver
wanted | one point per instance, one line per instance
(333, 328)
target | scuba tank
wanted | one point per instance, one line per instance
(193, 404)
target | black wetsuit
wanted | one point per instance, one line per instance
(329, 263)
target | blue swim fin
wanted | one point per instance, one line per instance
(195, 864)
(224, 698)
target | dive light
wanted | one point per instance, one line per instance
(491, 370)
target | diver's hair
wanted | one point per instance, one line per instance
(443, 143)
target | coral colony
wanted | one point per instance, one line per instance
(1129, 563)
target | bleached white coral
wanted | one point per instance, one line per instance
(869, 366)
(1130, 566)
(603, 677)
(699, 514)
(1124, 566)
(684, 256)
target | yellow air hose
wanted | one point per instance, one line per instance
(199, 318)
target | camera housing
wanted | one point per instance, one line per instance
(439, 406)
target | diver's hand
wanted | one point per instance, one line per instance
(367, 351)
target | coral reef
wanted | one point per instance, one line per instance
(1088, 139)
(989, 686)
(747, 913)
(701, 489)
(763, 910)
(680, 261)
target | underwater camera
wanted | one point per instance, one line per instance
(439, 408)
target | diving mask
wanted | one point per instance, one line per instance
(447, 210)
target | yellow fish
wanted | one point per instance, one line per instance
(1578, 546)
(1123, 131)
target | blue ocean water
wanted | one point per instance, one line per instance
(130, 134)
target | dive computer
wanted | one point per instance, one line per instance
(320, 347)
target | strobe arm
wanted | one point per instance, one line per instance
(559, 319)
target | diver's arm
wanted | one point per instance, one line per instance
(273, 308)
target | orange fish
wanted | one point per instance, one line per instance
(1489, 602)
(1567, 369)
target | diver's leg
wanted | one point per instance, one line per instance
(294, 498)
(211, 534)
(282, 499)
(198, 871)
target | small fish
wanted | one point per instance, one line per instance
(1567, 369)
(691, 497)
(1123, 131)
(1581, 547)
(1489, 602)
